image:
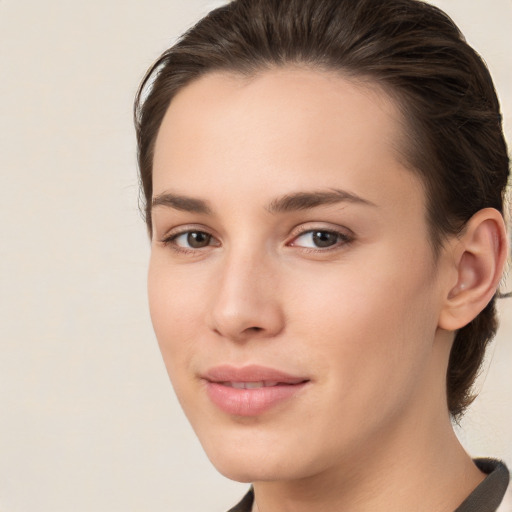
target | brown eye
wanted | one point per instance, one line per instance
(320, 239)
(197, 239)
(190, 240)
(325, 238)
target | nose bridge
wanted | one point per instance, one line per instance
(246, 302)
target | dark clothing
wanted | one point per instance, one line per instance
(489, 494)
(485, 498)
(246, 504)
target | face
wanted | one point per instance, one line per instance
(292, 286)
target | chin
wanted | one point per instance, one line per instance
(248, 471)
(239, 461)
(252, 460)
(237, 473)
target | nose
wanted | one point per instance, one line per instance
(246, 304)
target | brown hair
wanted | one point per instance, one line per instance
(411, 49)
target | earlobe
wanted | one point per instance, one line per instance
(479, 259)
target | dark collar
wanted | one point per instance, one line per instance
(246, 504)
(489, 494)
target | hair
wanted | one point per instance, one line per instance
(412, 50)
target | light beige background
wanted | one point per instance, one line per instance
(88, 421)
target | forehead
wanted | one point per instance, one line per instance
(279, 125)
(293, 98)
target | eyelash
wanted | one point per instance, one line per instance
(343, 239)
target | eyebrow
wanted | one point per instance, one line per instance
(287, 203)
(308, 200)
(183, 203)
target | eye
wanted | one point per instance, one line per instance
(320, 239)
(191, 240)
(194, 239)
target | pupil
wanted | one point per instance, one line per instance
(197, 239)
(324, 238)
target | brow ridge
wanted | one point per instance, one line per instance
(180, 202)
(307, 200)
(290, 202)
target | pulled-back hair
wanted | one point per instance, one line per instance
(417, 55)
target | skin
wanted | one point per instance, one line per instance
(369, 320)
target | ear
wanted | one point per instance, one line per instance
(479, 257)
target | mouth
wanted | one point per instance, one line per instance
(251, 390)
(254, 385)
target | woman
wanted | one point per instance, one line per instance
(323, 185)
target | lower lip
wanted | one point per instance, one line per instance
(250, 402)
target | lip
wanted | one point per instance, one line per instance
(267, 388)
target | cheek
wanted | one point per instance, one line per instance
(374, 322)
(174, 309)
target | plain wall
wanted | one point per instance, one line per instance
(88, 420)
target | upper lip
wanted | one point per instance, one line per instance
(250, 373)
